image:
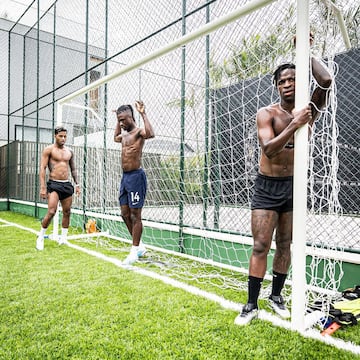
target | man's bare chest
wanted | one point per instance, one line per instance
(58, 155)
(280, 124)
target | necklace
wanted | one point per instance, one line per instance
(285, 111)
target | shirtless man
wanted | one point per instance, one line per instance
(58, 158)
(272, 201)
(133, 183)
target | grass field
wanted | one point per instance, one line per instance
(65, 304)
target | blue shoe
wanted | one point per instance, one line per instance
(141, 252)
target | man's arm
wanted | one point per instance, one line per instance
(324, 80)
(74, 172)
(147, 132)
(270, 143)
(45, 158)
(117, 133)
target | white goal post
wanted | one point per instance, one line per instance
(300, 168)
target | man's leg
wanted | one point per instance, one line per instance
(281, 263)
(263, 223)
(125, 214)
(137, 226)
(53, 200)
(66, 209)
(136, 232)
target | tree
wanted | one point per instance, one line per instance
(257, 54)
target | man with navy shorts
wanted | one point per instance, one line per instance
(272, 202)
(133, 183)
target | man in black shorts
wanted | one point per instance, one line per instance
(271, 209)
(58, 158)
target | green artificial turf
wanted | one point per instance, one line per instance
(64, 304)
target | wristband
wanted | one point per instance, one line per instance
(77, 185)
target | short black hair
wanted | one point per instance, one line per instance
(59, 129)
(123, 108)
(281, 68)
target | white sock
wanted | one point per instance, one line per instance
(64, 233)
(42, 232)
(134, 249)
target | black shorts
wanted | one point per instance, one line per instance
(64, 189)
(273, 193)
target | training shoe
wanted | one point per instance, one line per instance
(277, 303)
(62, 241)
(40, 243)
(249, 312)
(131, 258)
(141, 252)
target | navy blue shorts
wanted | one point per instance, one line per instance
(273, 193)
(133, 188)
(64, 189)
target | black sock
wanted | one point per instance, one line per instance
(254, 285)
(278, 283)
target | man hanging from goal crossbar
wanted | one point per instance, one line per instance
(272, 202)
(133, 183)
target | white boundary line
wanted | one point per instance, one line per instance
(226, 304)
(349, 257)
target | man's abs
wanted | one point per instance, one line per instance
(279, 166)
(59, 171)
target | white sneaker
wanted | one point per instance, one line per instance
(62, 241)
(40, 243)
(249, 312)
(141, 252)
(277, 303)
(131, 258)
